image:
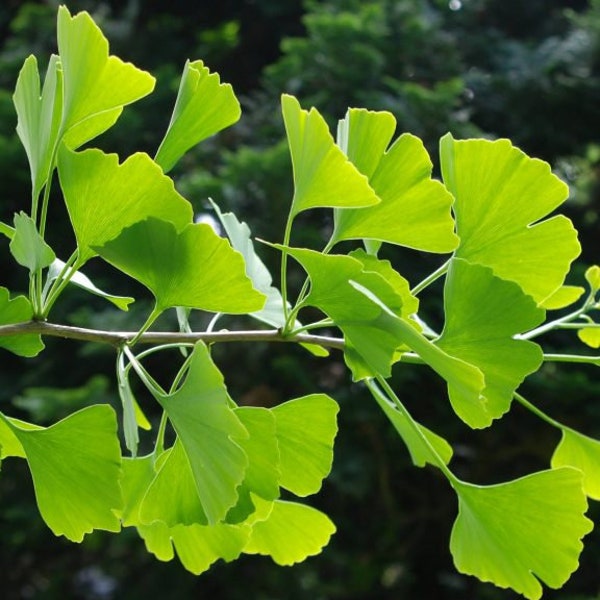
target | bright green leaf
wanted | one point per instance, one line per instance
(414, 209)
(562, 297)
(501, 195)
(7, 230)
(483, 313)
(203, 107)
(157, 538)
(420, 452)
(323, 176)
(28, 246)
(39, 114)
(306, 428)
(103, 197)
(94, 82)
(291, 533)
(590, 336)
(583, 453)
(513, 533)
(194, 267)
(138, 473)
(72, 498)
(85, 283)
(261, 447)
(208, 428)
(9, 442)
(18, 310)
(592, 276)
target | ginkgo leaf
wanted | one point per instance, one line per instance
(562, 297)
(103, 197)
(28, 246)
(193, 267)
(290, 533)
(306, 428)
(323, 176)
(592, 276)
(72, 498)
(157, 539)
(138, 473)
(590, 336)
(18, 310)
(415, 209)
(583, 453)
(200, 411)
(39, 113)
(420, 452)
(94, 82)
(203, 107)
(9, 442)
(514, 533)
(501, 196)
(263, 451)
(483, 313)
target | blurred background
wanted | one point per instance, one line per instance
(529, 71)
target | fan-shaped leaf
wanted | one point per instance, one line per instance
(590, 336)
(28, 246)
(18, 310)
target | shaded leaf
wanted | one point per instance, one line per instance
(203, 107)
(28, 246)
(18, 310)
(415, 209)
(323, 176)
(483, 313)
(583, 453)
(193, 268)
(501, 195)
(103, 197)
(513, 533)
(72, 498)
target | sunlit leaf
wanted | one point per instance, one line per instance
(420, 453)
(194, 267)
(18, 310)
(72, 498)
(138, 473)
(562, 297)
(513, 533)
(483, 313)
(323, 176)
(502, 196)
(157, 538)
(39, 113)
(262, 449)
(208, 428)
(414, 209)
(583, 453)
(203, 107)
(291, 533)
(94, 82)
(28, 246)
(590, 336)
(103, 197)
(592, 276)
(9, 442)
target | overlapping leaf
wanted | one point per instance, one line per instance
(513, 533)
(72, 498)
(323, 176)
(18, 310)
(27, 245)
(94, 82)
(414, 209)
(583, 453)
(483, 313)
(103, 197)
(193, 267)
(501, 196)
(203, 107)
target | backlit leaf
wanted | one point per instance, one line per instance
(513, 533)
(414, 209)
(103, 197)
(562, 297)
(72, 498)
(590, 336)
(483, 313)
(203, 107)
(592, 276)
(291, 533)
(323, 176)
(27, 245)
(18, 310)
(306, 428)
(501, 195)
(583, 453)
(193, 267)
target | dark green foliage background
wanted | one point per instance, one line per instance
(529, 71)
